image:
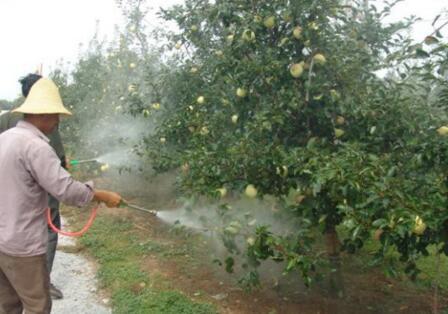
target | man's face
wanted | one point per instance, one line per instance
(50, 122)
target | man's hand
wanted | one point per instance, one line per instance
(111, 199)
(68, 165)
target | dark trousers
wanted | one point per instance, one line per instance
(24, 285)
(53, 237)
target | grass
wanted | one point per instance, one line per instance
(430, 271)
(119, 253)
(427, 265)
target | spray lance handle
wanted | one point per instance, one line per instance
(75, 162)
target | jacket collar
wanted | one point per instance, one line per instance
(28, 126)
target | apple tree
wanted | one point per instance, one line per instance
(289, 99)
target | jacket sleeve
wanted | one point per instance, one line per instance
(45, 167)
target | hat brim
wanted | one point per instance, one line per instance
(41, 110)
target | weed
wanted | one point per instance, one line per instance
(118, 253)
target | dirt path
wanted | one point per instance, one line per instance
(75, 276)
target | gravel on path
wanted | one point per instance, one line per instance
(75, 276)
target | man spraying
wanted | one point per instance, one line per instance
(29, 171)
(9, 120)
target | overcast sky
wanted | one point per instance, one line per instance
(44, 31)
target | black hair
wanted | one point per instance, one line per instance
(28, 82)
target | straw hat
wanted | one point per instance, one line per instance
(44, 98)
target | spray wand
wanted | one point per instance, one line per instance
(124, 203)
(92, 217)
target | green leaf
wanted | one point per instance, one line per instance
(380, 223)
(420, 53)
(291, 264)
(322, 219)
(230, 262)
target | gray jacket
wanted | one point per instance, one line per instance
(9, 120)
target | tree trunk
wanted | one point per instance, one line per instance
(333, 250)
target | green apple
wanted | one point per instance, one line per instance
(163, 140)
(319, 58)
(296, 69)
(313, 25)
(230, 38)
(178, 45)
(269, 22)
(340, 120)
(248, 35)
(204, 130)
(287, 17)
(193, 70)
(297, 32)
(269, 79)
(104, 167)
(338, 132)
(241, 92)
(419, 226)
(194, 28)
(222, 191)
(335, 95)
(282, 171)
(200, 100)
(146, 113)
(250, 241)
(443, 130)
(235, 118)
(132, 65)
(156, 106)
(283, 41)
(250, 191)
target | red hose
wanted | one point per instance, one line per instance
(72, 234)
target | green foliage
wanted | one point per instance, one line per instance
(358, 150)
(6, 105)
(284, 97)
